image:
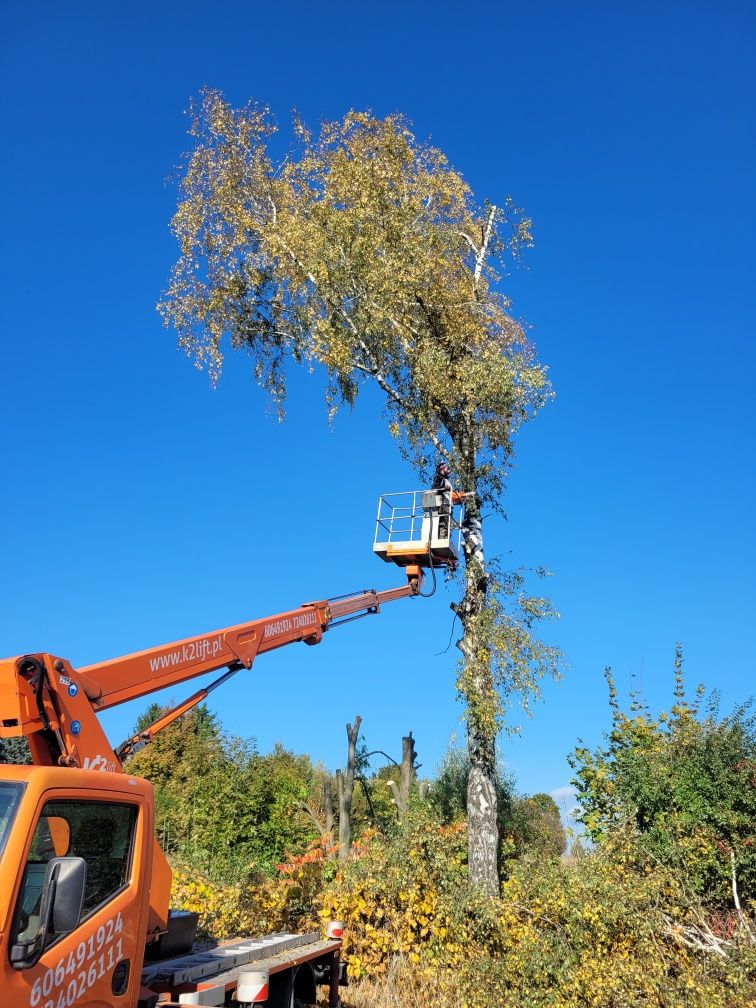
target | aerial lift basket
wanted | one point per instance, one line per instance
(417, 527)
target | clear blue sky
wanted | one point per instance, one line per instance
(139, 506)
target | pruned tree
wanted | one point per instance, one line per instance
(364, 252)
(345, 782)
(406, 772)
(329, 816)
(401, 791)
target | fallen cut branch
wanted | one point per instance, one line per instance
(697, 936)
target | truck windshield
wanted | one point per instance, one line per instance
(10, 796)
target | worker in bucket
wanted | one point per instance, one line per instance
(449, 496)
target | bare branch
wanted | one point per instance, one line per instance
(380, 752)
(470, 242)
(696, 937)
(745, 926)
(394, 788)
(318, 820)
(735, 896)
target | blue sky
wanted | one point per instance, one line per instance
(139, 506)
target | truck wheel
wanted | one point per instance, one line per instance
(293, 989)
(304, 993)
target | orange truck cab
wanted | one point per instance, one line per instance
(75, 851)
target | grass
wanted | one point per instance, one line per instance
(401, 987)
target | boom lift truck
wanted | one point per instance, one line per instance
(84, 886)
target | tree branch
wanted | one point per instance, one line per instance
(470, 242)
(744, 924)
(375, 372)
(317, 821)
(372, 367)
(480, 259)
(380, 752)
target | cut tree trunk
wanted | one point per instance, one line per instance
(328, 805)
(406, 773)
(346, 790)
(401, 792)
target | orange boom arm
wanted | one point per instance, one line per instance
(135, 675)
(52, 704)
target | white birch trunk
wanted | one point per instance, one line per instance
(482, 823)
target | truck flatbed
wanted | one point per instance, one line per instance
(209, 977)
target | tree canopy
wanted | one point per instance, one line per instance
(363, 251)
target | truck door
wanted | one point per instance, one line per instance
(98, 964)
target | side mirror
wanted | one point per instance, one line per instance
(60, 907)
(70, 881)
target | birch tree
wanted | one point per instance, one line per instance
(361, 251)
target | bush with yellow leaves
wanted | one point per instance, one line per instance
(610, 929)
(408, 896)
(261, 904)
(614, 928)
(225, 911)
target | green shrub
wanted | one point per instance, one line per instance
(687, 781)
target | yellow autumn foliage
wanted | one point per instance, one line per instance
(225, 911)
(608, 930)
(285, 902)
